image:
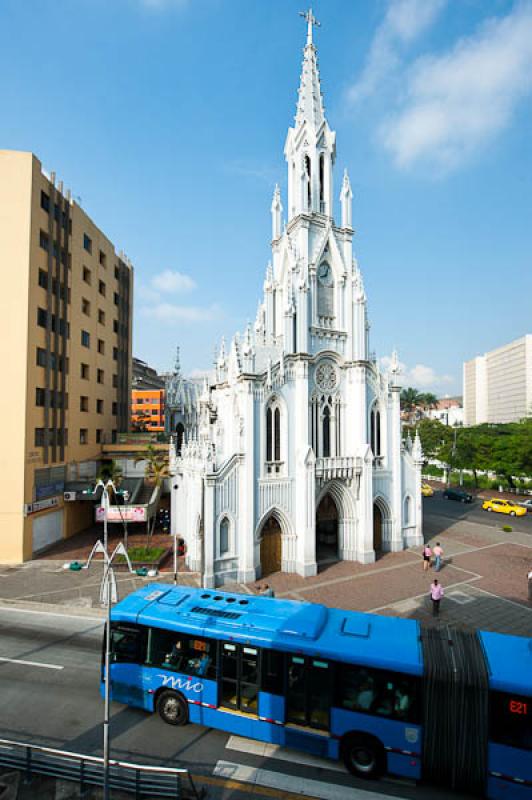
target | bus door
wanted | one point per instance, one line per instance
(128, 651)
(239, 677)
(308, 692)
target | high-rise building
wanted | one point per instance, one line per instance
(147, 410)
(498, 385)
(145, 377)
(65, 343)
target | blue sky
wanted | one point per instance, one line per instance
(168, 119)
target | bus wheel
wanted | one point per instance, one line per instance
(363, 756)
(172, 708)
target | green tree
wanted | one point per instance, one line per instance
(155, 471)
(428, 400)
(410, 399)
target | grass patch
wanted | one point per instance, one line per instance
(507, 528)
(148, 555)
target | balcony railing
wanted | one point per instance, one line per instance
(343, 467)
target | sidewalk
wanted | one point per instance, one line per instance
(484, 577)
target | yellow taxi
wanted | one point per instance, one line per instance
(426, 490)
(503, 507)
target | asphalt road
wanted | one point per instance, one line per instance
(49, 679)
(438, 508)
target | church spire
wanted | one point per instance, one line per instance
(310, 148)
(310, 100)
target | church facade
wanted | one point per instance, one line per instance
(291, 454)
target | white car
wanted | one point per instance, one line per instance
(526, 504)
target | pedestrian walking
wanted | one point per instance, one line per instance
(437, 551)
(436, 594)
(427, 554)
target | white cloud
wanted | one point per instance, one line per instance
(168, 312)
(456, 102)
(404, 22)
(420, 376)
(169, 281)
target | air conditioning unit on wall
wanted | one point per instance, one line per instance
(69, 497)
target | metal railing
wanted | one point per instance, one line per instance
(138, 779)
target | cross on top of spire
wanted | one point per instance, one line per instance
(311, 20)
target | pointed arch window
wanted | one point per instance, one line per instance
(375, 433)
(224, 536)
(322, 183)
(407, 510)
(326, 437)
(180, 437)
(308, 181)
(273, 437)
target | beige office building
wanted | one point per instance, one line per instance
(498, 385)
(65, 346)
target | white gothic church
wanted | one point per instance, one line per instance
(292, 455)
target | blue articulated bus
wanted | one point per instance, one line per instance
(380, 693)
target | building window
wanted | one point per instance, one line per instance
(115, 326)
(85, 339)
(44, 241)
(41, 357)
(115, 353)
(101, 288)
(87, 275)
(273, 437)
(224, 536)
(42, 317)
(115, 381)
(100, 375)
(45, 202)
(375, 432)
(115, 298)
(83, 403)
(113, 437)
(99, 435)
(117, 274)
(114, 409)
(99, 406)
(83, 436)
(87, 243)
(40, 397)
(39, 437)
(43, 279)
(84, 371)
(101, 316)
(85, 306)
(326, 432)
(103, 259)
(101, 346)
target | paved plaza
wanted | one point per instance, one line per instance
(484, 576)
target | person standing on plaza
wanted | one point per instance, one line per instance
(427, 553)
(438, 554)
(436, 594)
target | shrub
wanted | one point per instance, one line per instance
(507, 528)
(148, 555)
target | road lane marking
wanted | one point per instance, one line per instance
(265, 750)
(30, 663)
(293, 784)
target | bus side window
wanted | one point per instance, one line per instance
(127, 644)
(511, 720)
(374, 691)
(272, 672)
(201, 659)
(167, 649)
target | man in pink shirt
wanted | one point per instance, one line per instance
(437, 552)
(436, 593)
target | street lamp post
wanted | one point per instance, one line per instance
(108, 594)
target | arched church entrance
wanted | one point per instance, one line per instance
(270, 547)
(377, 528)
(327, 530)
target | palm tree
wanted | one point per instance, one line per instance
(429, 400)
(155, 471)
(110, 471)
(410, 399)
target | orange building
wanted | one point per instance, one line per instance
(147, 409)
